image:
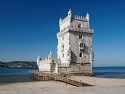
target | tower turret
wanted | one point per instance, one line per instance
(38, 60)
(87, 16)
(69, 13)
(60, 21)
(88, 19)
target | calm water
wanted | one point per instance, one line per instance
(21, 74)
(15, 74)
(109, 72)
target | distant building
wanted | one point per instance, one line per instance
(74, 49)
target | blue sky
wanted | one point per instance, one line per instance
(29, 27)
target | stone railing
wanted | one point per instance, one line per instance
(75, 29)
(63, 65)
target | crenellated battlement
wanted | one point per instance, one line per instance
(76, 22)
(74, 17)
(79, 17)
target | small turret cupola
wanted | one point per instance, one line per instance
(50, 57)
(50, 52)
(87, 16)
(38, 58)
(69, 13)
(88, 19)
(60, 20)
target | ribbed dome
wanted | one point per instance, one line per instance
(50, 56)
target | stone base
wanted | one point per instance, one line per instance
(77, 69)
(81, 74)
(76, 74)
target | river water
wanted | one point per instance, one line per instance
(21, 74)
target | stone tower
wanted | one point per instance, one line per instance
(74, 47)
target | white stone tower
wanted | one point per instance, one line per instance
(74, 47)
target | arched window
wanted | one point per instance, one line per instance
(80, 54)
(80, 36)
(81, 44)
(63, 38)
(63, 55)
(62, 47)
(79, 25)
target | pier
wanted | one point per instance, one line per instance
(56, 77)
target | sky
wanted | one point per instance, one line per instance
(28, 28)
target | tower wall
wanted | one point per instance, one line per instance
(75, 34)
(63, 47)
